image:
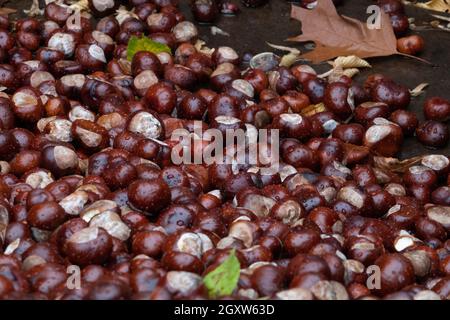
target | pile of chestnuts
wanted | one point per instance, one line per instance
(87, 178)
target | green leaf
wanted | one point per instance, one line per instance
(136, 44)
(223, 279)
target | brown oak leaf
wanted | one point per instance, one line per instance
(435, 5)
(7, 11)
(336, 35)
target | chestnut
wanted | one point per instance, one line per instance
(396, 273)
(336, 99)
(91, 57)
(185, 31)
(315, 88)
(267, 280)
(149, 195)
(59, 160)
(89, 134)
(101, 39)
(437, 108)
(384, 137)
(411, 45)
(24, 161)
(108, 25)
(6, 40)
(180, 76)
(7, 117)
(223, 74)
(282, 80)
(257, 78)
(7, 76)
(57, 13)
(28, 40)
(47, 215)
(293, 125)
(349, 133)
(394, 95)
(101, 8)
(192, 107)
(300, 241)
(441, 196)
(407, 120)
(420, 175)
(144, 60)
(433, 133)
(146, 123)
(66, 67)
(90, 245)
(276, 107)
(118, 175)
(296, 100)
(303, 263)
(204, 10)
(64, 42)
(27, 104)
(161, 97)
(161, 22)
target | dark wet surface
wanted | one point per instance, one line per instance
(252, 28)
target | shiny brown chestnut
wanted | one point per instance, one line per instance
(433, 134)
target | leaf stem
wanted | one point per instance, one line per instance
(414, 57)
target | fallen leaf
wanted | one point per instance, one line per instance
(350, 62)
(351, 72)
(394, 164)
(215, 31)
(344, 66)
(444, 18)
(435, 5)
(354, 154)
(125, 65)
(7, 11)
(288, 59)
(437, 25)
(336, 35)
(34, 9)
(122, 14)
(313, 109)
(224, 279)
(136, 44)
(81, 5)
(201, 47)
(417, 91)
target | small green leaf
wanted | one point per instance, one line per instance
(223, 279)
(136, 44)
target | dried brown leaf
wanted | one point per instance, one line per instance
(354, 154)
(217, 31)
(123, 14)
(336, 35)
(394, 164)
(444, 18)
(351, 72)
(313, 109)
(7, 11)
(288, 59)
(201, 47)
(34, 9)
(417, 91)
(435, 5)
(350, 62)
